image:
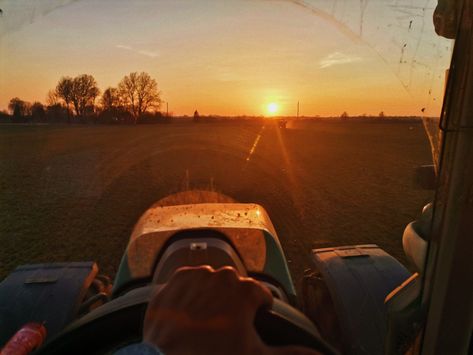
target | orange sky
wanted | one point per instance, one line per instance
(233, 57)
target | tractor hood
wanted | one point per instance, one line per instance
(158, 219)
(247, 226)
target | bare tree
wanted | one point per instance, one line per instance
(18, 107)
(110, 99)
(139, 92)
(64, 90)
(84, 93)
(56, 113)
(52, 98)
(80, 92)
(37, 111)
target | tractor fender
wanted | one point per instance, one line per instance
(357, 280)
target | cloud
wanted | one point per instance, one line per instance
(146, 53)
(122, 46)
(337, 58)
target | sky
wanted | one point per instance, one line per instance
(234, 57)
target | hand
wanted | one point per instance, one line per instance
(207, 311)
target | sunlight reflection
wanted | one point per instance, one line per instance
(296, 192)
(255, 143)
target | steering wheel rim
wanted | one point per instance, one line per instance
(93, 333)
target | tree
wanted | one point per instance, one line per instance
(64, 90)
(19, 108)
(84, 93)
(113, 110)
(80, 92)
(4, 116)
(37, 111)
(382, 115)
(52, 98)
(344, 115)
(110, 99)
(196, 116)
(139, 93)
(57, 113)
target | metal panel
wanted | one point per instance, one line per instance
(359, 278)
(49, 293)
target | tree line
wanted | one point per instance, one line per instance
(136, 99)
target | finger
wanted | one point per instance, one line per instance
(226, 273)
(184, 276)
(191, 273)
(268, 296)
(154, 299)
(258, 294)
(194, 269)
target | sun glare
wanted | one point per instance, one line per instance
(272, 108)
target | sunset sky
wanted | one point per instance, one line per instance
(232, 57)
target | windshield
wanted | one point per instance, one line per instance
(318, 110)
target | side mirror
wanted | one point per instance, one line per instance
(425, 177)
(446, 16)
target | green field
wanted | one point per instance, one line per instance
(75, 192)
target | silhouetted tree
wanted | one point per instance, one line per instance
(139, 93)
(37, 111)
(110, 99)
(57, 113)
(64, 90)
(4, 116)
(344, 115)
(113, 110)
(381, 114)
(52, 98)
(84, 93)
(19, 109)
(16, 106)
(80, 92)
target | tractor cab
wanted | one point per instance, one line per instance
(352, 299)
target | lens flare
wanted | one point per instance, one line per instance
(273, 108)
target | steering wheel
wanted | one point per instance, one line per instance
(120, 322)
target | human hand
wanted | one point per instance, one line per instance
(207, 311)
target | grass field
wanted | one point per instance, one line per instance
(75, 192)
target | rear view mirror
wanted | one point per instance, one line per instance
(446, 17)
(425, 177)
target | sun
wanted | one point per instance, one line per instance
(273, 108)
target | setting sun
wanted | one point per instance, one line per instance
(273, 107)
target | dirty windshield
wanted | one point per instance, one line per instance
(319, 111)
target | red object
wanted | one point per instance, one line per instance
(27, 339)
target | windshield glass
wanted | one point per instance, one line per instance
(318, 110)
